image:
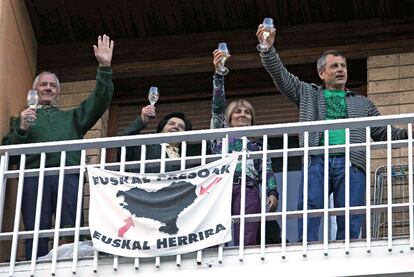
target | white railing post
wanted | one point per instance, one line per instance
(17, 213)
(141, 171)
(243, 200)
(284, 193)
(162, 170)
(58, 211)
(389, 186)
(203, 162)
(326, 193)
(79, 204)
(410, 184)
(223, 155)
(263, 199)
(95, 252)
(182, 167)
(368, 187)
(347, 190)
(305, 193)
(3, 168)
(38, 212)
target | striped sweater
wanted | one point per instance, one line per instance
(309, 98)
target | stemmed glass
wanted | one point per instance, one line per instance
(32, 101)
(153, 95)
(221, 69)
(268, 25)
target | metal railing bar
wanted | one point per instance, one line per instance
(410, 184)
(17, 212)
(284, 193)
(347, 190)
(263, 199)
(79, 211)
(368, 187)
(256, 130)
(58, 214)
(243, 199)
(305, 195)
(326, 193)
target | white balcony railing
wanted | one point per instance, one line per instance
(390, 253)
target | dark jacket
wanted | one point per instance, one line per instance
(153, 151)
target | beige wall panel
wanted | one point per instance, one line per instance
(18, 50)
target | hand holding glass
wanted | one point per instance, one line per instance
(268, 26)
(221, 69)
(32, 101)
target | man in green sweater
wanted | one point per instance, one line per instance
(54, 124)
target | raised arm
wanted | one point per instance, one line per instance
(286, 83)
(91, 109)
(140, 122)
(218, 104)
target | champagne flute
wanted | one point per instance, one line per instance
(32, 101)
(153, 95)
(221, 69)
(268, 25)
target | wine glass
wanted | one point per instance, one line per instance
(268, 25)
(221, 69)
(153, 95)
(32, 101)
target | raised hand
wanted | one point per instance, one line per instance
(103, 52)
(217, 58)
(148, 112)
(269, 41)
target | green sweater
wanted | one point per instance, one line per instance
(53, 124)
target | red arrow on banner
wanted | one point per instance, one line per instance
(126, 227)
(206, 189)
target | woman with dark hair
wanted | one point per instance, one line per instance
(173, 122)
(241, 113)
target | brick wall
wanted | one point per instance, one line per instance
(391, 88)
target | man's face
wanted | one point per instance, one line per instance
(335, 73)
(174, 124)
(47, 89)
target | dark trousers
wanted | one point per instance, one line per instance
(337, 187)
(49, 199)
(252, 206)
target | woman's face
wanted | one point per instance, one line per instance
(241, 117)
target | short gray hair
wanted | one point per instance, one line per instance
(36, 80)
(322, 59)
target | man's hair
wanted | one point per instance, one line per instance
(164, 120)
(234, 105)
(322, 59)
(36, 80)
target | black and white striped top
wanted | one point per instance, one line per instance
(309, 98)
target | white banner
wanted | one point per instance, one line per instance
(149, 215)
